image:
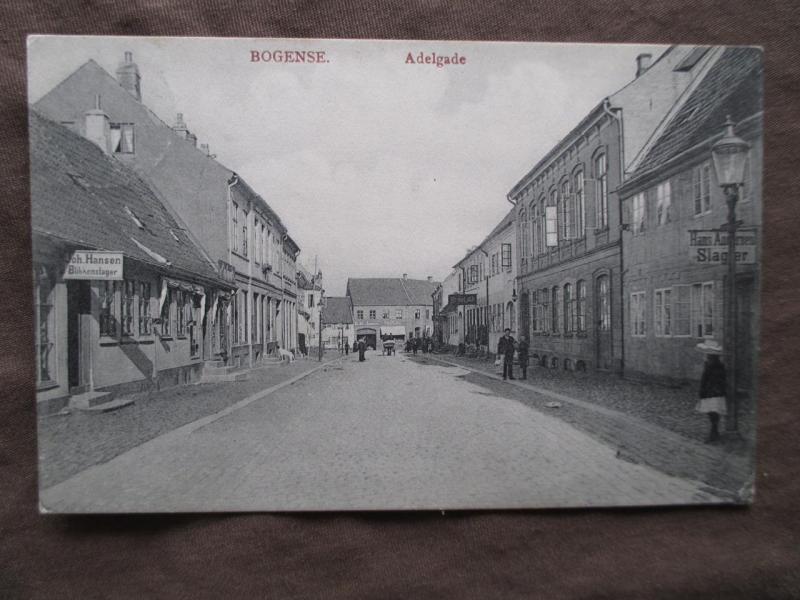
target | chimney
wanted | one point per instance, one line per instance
(643, 63)
(180, 126)
(204, 149)
(405, 275)
(128, 76)
(97, 126)
(430, 277)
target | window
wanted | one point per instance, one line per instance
(398, 313)
(108, 323)
(547, 317)
(638, 314)
(541, 228)
(256, 240)
(569, 309)
(663, 203)
(701, 187)
(311, 301)
(506, 256)
(254, 319)
(524, 239)
(580, 312)
(360, 314)
(662, 313)
(417, 314)
(551, 226)
(145, 320)
(245, 216)
(234, 226)
(244, 301)
(45, 325)
(567, 212)
(494, 264)
(121, 138)
(194, 342)
(372, 314)
(556, 324)
(579, 204)
(703, 309)
(639, 211)
(603, 303)
(128, 299)
(601, 174)
(180, 312)
(427, 314)
(385, 313)
(264, 243)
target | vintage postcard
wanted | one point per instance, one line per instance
(310, 274)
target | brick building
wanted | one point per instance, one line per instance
(394, 307)
(569, 222)
(235, 226)
(673, 300)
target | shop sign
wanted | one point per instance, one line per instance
(226, 272)
(710, 246)
(88, 264)
(463, 299)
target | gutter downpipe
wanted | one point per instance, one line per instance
(613, 113)
(234, 180)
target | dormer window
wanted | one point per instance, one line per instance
(121, 138)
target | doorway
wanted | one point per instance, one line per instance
(79, 323)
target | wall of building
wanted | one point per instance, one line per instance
(413, 326)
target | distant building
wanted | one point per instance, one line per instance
(451, 314)
(310, 294)
(488, 273)
(140, 323)
(236, 227)
(394, 307)
(337, 322)
(673, 299)
(569, 223)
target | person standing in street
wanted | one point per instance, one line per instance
(505, 348)
(415, 345)
(712, 388)
(522, 351)
(346, 348)
(362, 347)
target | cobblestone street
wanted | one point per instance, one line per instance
(388, 433)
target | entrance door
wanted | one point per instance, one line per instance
(79, 314)
(602, 312)
(745, 335)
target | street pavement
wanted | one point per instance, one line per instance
(388, 433)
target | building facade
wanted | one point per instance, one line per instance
(399, 308)
(124, 299)
(310, 299)
(450, 315)
(338, 328)
(569, 221)
(235, 226)
(675, 283)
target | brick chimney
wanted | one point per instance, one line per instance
(97, 125)
(204, 149)
(128, 76)
(180, 129)
(643, 63)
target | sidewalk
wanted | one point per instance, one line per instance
(71, 443)
(647, 423)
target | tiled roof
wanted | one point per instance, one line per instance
(83, 196)
(337, 310)
(390, 291)
(733, 86)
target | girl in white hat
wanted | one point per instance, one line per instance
(712, 387)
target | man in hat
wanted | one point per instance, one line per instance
(505, 348)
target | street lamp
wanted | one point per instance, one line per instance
(729, 155)
(321, 307)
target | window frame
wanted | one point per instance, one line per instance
(638, 314)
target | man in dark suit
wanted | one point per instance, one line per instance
(505, 348)
(362, 347)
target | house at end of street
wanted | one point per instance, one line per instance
(337, 322)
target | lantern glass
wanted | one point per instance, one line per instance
(730, 158)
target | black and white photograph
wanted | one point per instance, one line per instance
(339, 275)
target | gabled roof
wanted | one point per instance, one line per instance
(337, 310)
(390, 291)
(87, 198)
(732, 86)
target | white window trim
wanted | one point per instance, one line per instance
(656, 293)
(642, 304)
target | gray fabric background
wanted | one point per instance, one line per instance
(657, 553)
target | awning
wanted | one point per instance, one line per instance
(393, 330)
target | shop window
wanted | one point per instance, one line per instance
(145, 319)
(127, 306)
(166, 316)
(108, 322)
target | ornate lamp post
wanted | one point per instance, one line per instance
(729, 156)
(321, 306)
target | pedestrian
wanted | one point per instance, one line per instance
(346, 348)
(522, 351)
(712, 388)
(408, 345)
(505, 348)
(415, 345)
(362, 347)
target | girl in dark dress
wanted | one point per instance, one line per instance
(712, 388)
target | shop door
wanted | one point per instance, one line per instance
(79, 314)
(602, 311)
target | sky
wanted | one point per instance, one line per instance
(377, 166)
